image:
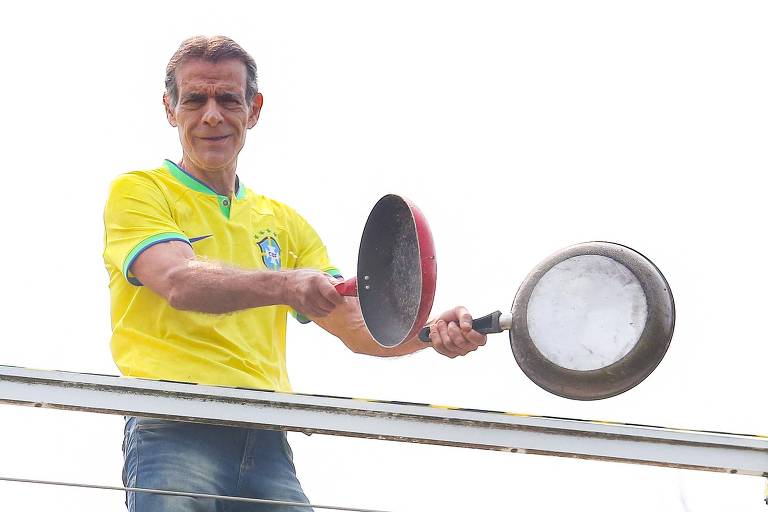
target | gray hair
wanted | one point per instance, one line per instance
(212, 49)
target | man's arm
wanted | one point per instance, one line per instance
(451, 333)
(172, 271)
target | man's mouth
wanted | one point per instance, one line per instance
(215, 139)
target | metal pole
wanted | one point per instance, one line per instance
(418, 423)
(165, 492)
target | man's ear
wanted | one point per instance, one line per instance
(256, 104)
(169, 110)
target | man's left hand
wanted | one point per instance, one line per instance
(451, 333)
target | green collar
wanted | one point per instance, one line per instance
(195, 184)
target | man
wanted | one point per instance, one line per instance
(203, 272)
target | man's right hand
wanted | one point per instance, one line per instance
(310, 292)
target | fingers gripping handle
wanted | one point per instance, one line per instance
(487, 324)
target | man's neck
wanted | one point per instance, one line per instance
(221, 181)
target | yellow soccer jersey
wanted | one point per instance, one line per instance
(151, 339)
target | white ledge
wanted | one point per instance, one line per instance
(418, 423)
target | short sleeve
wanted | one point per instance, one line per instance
(312, 253)
(136, 217)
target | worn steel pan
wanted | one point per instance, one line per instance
(589, 322)
(396, 271)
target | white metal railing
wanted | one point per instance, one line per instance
(418, 423)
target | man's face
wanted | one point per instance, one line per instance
(211, 112)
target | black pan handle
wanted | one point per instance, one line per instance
(487, 324)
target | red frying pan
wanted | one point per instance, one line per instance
(396, 271)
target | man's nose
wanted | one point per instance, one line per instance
(212, 114)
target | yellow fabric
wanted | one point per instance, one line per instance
(151, 339)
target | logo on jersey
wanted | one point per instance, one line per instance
(270, 253)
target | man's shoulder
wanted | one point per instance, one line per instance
(283, 213)
(268, 205)
(139, 177)
(144, 182)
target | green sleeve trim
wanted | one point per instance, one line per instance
(300, 318)
(143, 246)
(333, 272)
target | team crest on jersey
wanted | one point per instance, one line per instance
(270, 252)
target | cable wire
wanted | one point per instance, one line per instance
(186, 494)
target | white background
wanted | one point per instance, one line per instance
(518, 127)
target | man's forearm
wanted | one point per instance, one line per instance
(346, 323)
(210, 287)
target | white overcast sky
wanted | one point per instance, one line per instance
(518, 127)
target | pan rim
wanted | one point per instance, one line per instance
(424, 282)
(625, 373)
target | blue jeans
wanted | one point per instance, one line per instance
(210, 459)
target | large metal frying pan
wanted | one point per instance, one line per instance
(592, 321)
(396, 271)
(589, 322)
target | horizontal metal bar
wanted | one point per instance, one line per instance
(419, 423)
(165, 492)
